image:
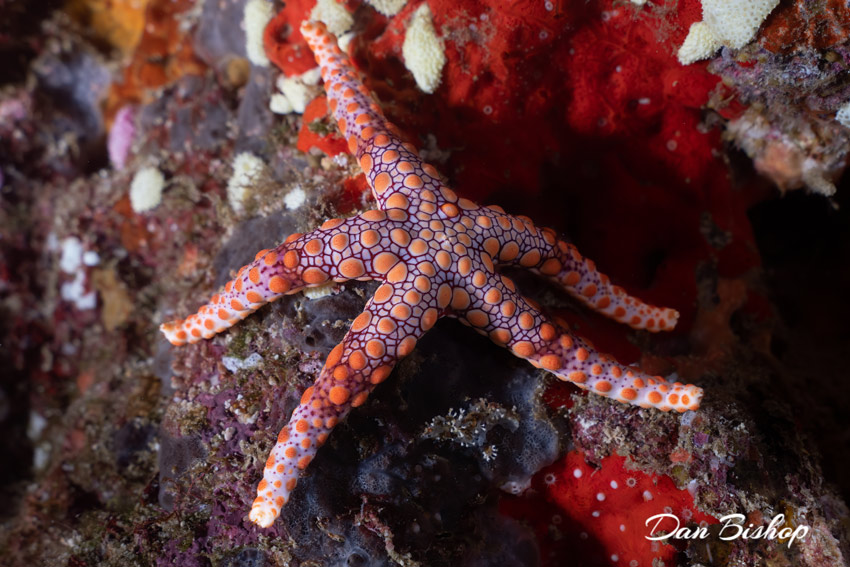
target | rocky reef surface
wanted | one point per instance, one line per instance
(149, 148)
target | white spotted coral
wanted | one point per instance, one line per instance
(732, 23)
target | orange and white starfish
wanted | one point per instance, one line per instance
(436, 255)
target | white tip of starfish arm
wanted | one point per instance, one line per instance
(174, 333)
(263, 515)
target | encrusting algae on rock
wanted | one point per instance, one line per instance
(125, 451)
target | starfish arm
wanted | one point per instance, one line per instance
(386, 331)
(515, 241)
(511, 320)
(332, 252)
(580, 278)
(393, 169)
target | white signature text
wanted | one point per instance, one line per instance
(733, 528)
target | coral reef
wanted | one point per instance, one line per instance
(676, 179)
(806, 147)
(788, 89)
(800, 26)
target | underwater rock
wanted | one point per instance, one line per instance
(575, 113)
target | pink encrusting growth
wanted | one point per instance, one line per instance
(437, 256)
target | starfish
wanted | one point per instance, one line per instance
(436, 255)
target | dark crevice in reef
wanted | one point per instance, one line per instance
(804, 242)
(20, 24)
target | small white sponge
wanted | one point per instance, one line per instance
(334, 15)
(732, 23)
(295, 198)
(424, 53)
(247, 168)
(298, 91)
(279, 104)
(387, 7)
(258, 14)
(701, 43)
(843, 115)
(319, 292)
(146, 189)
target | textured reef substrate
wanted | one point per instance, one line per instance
(715, 188)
